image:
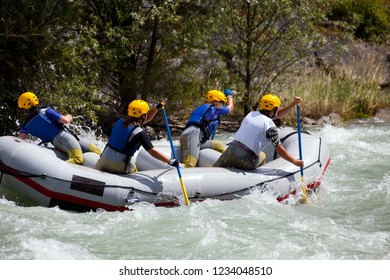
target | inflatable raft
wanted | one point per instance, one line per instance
(33, 175)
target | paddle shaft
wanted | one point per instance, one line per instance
(304, 199)
(174, 155)
(299, 135)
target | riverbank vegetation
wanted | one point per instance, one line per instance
(90, 58)
(353, 90)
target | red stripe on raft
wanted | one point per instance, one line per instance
(60, 196)
(95, 205)
(311, 186)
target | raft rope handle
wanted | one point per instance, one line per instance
(292, 133)
(287, 136)
(319, 153)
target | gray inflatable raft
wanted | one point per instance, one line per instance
(36, 175)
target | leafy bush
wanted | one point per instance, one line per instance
(369, 19)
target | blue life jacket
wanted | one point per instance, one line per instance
(198, 119)
(120, 139)
(39, 125)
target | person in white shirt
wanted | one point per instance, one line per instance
(255, 132)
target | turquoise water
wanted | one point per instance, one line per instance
(348, 220)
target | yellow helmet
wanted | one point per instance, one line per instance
(27, 100)
(215, 95)
(269, 102)
(137, 108)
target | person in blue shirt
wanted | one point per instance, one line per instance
(47, 124)
(201, 127)
(127, 136)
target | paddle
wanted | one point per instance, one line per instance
(304, 198)
(174, 155)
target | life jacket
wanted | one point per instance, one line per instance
(39, 125)
(121, 136)
(198, 119)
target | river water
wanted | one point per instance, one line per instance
(348, 220)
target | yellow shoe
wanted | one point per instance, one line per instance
(94, 149)
(218, 146)
(263, 157)
(75, 156)
(190, 161)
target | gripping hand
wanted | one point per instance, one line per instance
(173, 162)
(160, 105)
(228, 92)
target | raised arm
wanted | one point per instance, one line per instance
(282, 112)
(152, 112)
(229, 96)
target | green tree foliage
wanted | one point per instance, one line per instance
(141, 49)
(263, 40)
(369, 19)
(34, 57)
(92, 57)
(24, 47)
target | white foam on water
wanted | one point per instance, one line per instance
(348, 218)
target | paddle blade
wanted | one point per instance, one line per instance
(303, 199)
(184, 191)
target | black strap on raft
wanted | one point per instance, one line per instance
(292, 133)
(319, 151)
(64, 127)
(288, 135)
